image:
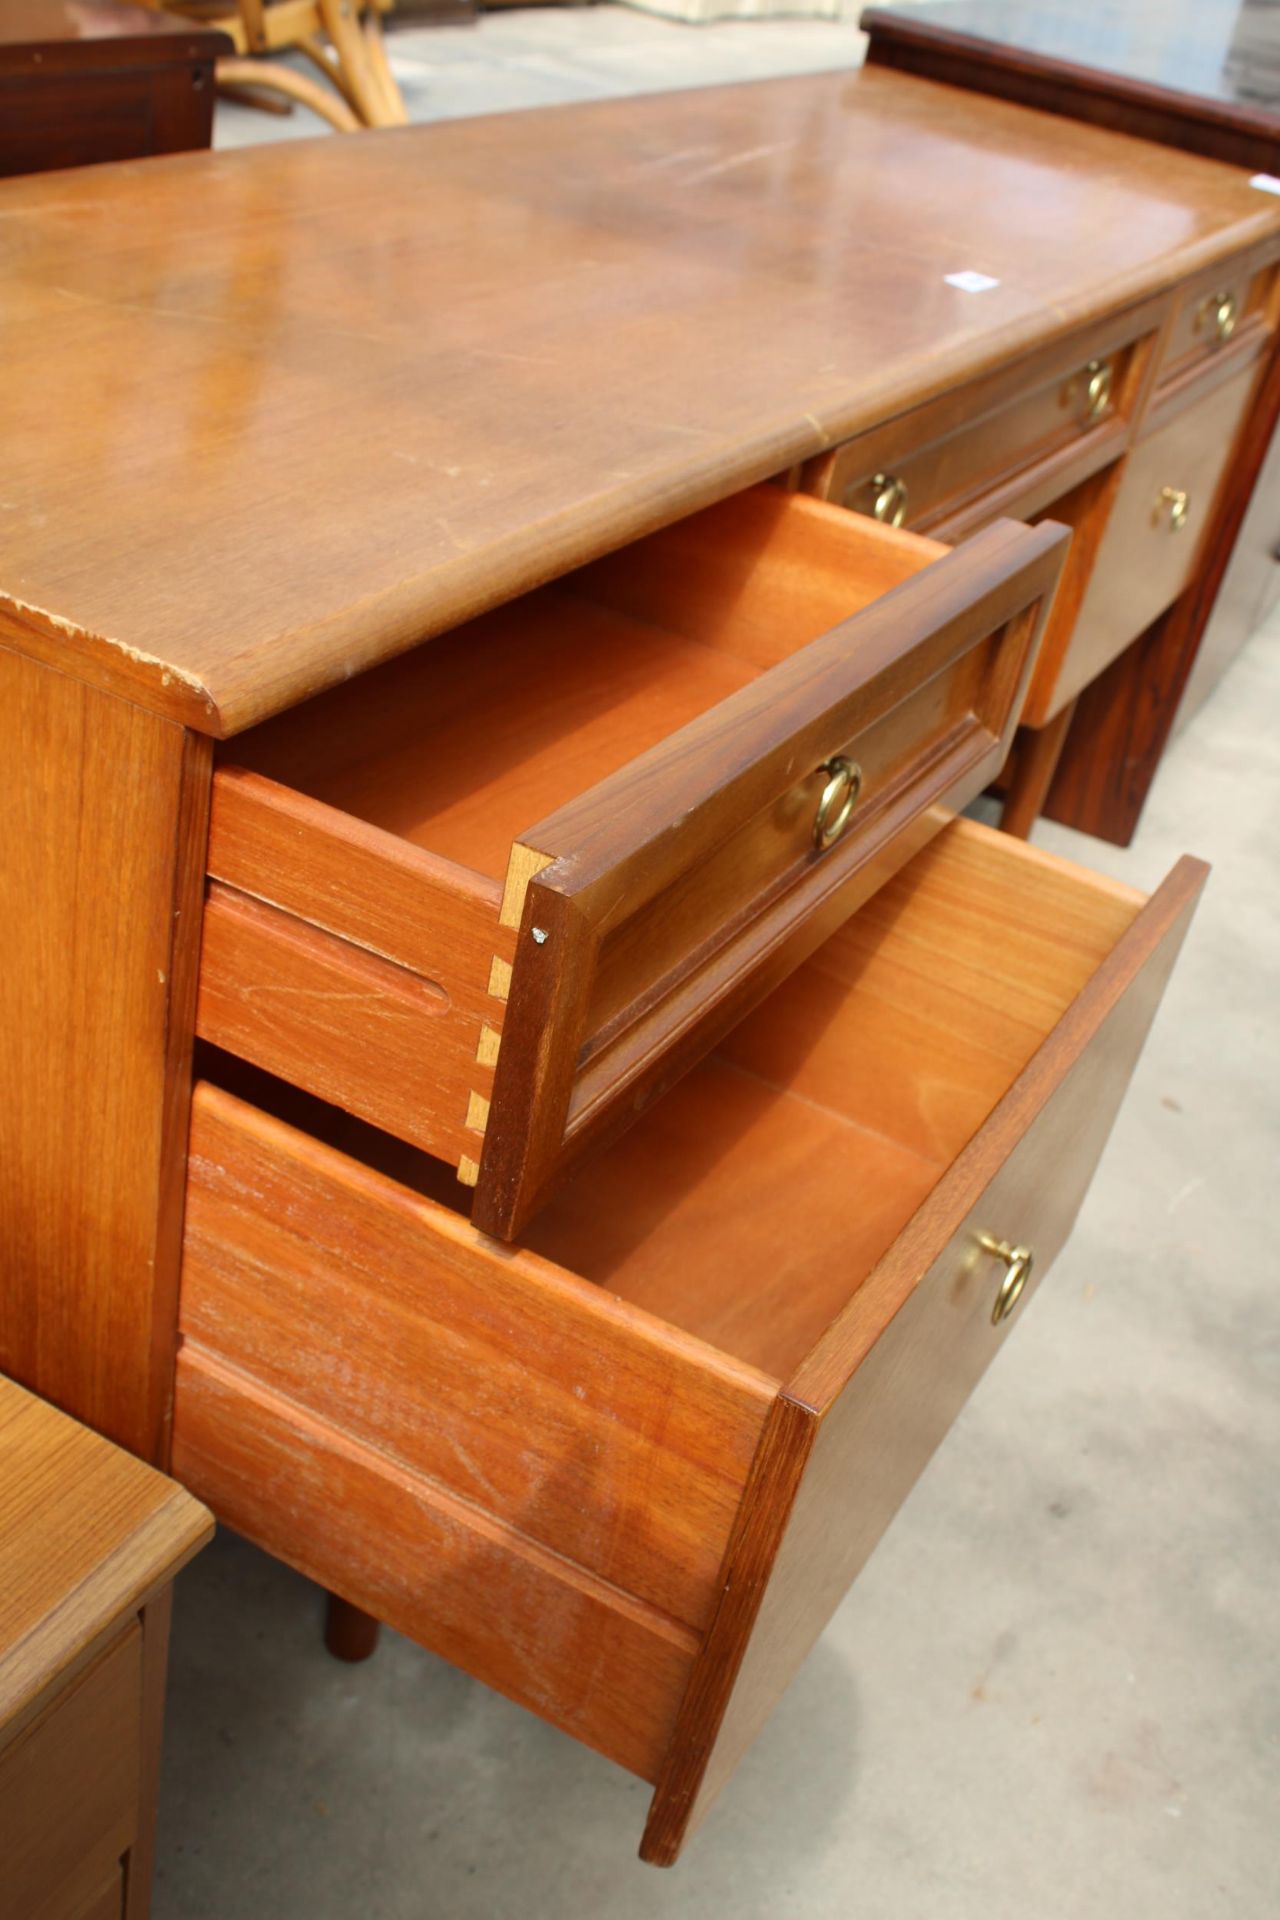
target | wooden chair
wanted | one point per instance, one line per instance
(342, 38)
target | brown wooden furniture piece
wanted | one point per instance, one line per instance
(629, 1105)
(1202, 76)
(82, 82)
(341, 38)
(90, 1540)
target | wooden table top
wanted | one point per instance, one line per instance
(86, 1533)
(274, 415)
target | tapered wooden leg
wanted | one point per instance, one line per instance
(349, 1632)
(1038, 751)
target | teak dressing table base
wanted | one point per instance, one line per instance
(582, 825)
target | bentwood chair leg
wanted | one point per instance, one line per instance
(352, 49)
(234, 74)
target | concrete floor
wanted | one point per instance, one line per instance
(1054, 1694)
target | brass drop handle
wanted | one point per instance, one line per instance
(1224, 312)
(1177, 505)
(1018, 1262)
(890, 504)
(839, 797)
(1097, 393)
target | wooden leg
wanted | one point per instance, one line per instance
(1038, 751)
(103, 821)
(349, 44)
(394, 111)
(349, 1632)
(256, 97)
(321, 55)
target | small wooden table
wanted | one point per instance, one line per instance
(89, 80)
(414, 695)
(90, 1540)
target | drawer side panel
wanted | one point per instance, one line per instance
(578, 1654)
(591, 1429)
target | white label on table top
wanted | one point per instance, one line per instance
(970, 282)
(1266, 182)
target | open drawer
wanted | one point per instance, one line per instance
(728, 736)
(625, 1471)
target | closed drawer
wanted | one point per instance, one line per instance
(1010, 446)
(1151, 548)
(1225, 307)
(570, 1466)
(680, 721)
(69, 1791)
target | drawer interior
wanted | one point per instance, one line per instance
(559, 851)
(552, 1462)
(839, 1102)
(460, 746)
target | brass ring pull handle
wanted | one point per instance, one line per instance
(839, 797)
(1097, 393)
(1018, 1262)
(890, 504)
(1222, 309)
(1177, 505)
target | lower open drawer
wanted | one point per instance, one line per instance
(625, 1471)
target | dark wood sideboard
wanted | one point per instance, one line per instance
(83, 81)
(1202, 76)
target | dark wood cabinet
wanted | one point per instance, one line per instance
(82, 83)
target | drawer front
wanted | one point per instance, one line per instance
(861, 1417)
(1218, 309)
(69, 1787)
(503, 1461)
(1154, 534)
(648, 916)
(1063, 429)
(1012, 443)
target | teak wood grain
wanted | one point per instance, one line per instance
(782, 1247)
(861, 1416)
(397, 1321)
(90, 1540)
(220, 364)
(69, 1786)
(87, 1535)
(387, 1043)
(672, 707)
(103, 832)
(528, 1623)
